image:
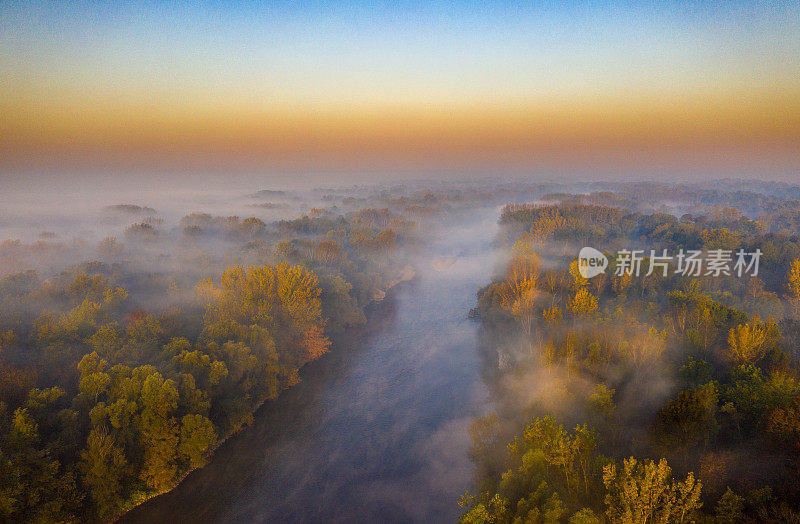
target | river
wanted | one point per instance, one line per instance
(377, 430)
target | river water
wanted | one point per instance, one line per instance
(377, 430)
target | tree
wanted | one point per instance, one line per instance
(641, 492)
(549, 470)
(518, 297)
(94, 380)
(339, 305)
(749, 342)
(283, 300)
(600, 406)
(690, 418)
(33, 486)
(793, 286)
(584, 516)
(552, 316)
(578, 280)
(570, 454)
(518, 291)
(752, 395)
(252, 226)
(729, 508)
(328, 251)
(385, 240)
(104, 466)
(159, 432)
(106, 340)
(583, 304)
(196, 438)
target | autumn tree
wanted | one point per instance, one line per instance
(578, 280)
(552, 316)
(793, 287)
(644, 491)
(328, 251)
(104, 467)
(550, 470)
(518, 291)
(583, 304)
(749, 342)
(284, 300)
(197, 435)
(94, 380)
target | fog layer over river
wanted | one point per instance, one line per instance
(378, 428)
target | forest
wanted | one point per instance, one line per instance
(125, 362)
(136, 339)
(663, 396)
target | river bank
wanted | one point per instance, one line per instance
(406, 274)
(377, 429)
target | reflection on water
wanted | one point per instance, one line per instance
(377, 429)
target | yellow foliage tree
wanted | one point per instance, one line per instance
(578, 280)
(206, 292)
(793, 286)
(518, 292)
(518, 297)
(620, 284)
(640, 492)
(749, 342)
(583, 304)
(284, 300)
(552, 316)
(524, 264)
(643, 346)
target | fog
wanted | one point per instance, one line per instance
(379, 428)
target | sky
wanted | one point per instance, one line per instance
(400, 85)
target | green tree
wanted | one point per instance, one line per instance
(159, 432)
(585, 516)
(104, 467)
(690, 418)
(34, 487)
(197, 435)
(730, 508)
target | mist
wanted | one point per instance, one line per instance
(385, 370)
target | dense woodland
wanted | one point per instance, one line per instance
(125, 361)
(636, 399)
(120, 373)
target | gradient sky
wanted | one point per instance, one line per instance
(404, 84)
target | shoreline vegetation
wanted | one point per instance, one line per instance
(640, 396)
(121, 375)
(405, 275)
(124, 362)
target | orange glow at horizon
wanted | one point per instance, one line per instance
(657, 126)
(423, 85)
